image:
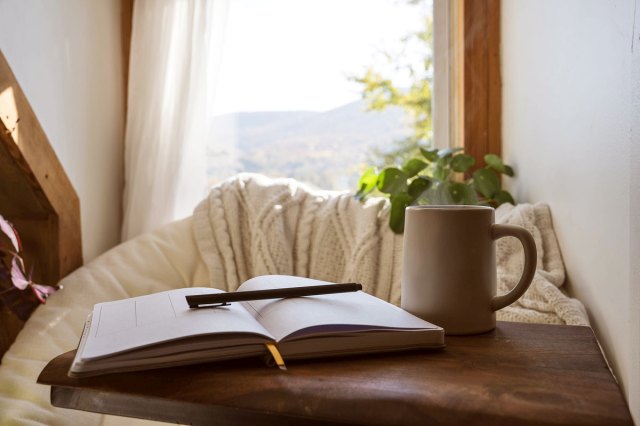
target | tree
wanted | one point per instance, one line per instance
(380, 92)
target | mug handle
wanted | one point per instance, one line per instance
(530, 259)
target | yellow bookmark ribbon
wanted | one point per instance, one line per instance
(275, 353)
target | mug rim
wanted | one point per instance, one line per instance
(451, 207)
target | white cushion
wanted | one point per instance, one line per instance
(165, 259)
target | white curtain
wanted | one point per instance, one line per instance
(173, 68)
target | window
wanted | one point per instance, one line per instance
(286, 102)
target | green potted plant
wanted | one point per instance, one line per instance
(437, 177)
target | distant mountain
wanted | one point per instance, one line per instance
(327, 149)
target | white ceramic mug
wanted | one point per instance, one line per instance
(449, 266)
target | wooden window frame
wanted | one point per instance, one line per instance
(467, 96)
(482, 80)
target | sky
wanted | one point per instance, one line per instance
(285, 55)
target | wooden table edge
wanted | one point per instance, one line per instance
(65, 395)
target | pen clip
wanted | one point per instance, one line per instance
(209, 305)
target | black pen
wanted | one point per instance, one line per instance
(222, 299)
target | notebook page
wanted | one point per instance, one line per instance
(140, 321)
(331, 313)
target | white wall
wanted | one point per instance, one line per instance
(568, 124)
(66, 55)
(634, 231)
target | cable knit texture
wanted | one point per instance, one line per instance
(252, 225)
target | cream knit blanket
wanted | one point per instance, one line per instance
(252, 225)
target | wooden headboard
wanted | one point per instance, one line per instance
(35, 193)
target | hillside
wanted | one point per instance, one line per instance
(327, 149)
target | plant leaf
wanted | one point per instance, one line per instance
(470, 195)
(367, 183)
(461, 162)
(399, 203)
(508, 171)
(418, 186)
(486, 182)
(392, 181)
(439, 194)
(456, 191)
(430, 154)
(440, 171)
(448, 152)
(503, 196)
(413, 167)
(494, 162)
(462, 193)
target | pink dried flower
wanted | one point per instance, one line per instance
(42, 291)
(22, 304)
(17, 274)
(7, 228)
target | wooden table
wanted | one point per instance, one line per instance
(517, 374)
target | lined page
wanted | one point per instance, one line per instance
(145, 320)
(331, 313)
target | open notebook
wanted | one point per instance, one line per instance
(160, 330)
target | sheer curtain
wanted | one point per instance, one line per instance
(173, 68)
